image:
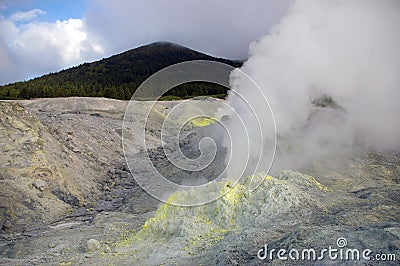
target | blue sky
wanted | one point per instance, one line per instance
(55, 9)
(42, 36)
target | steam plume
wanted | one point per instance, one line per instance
(344, 50)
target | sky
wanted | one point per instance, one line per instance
(42, 36)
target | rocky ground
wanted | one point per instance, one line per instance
(68, 198)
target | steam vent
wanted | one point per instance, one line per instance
(273, 140)
(351, 194)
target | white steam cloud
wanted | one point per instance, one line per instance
(345, 49)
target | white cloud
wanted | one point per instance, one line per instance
(27, 15)
(67, 39)
(36, 48)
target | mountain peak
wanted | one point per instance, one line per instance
(117, 76)
(163, 43)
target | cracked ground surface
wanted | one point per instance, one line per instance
(64, 181)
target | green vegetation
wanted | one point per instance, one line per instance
(118, 76)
